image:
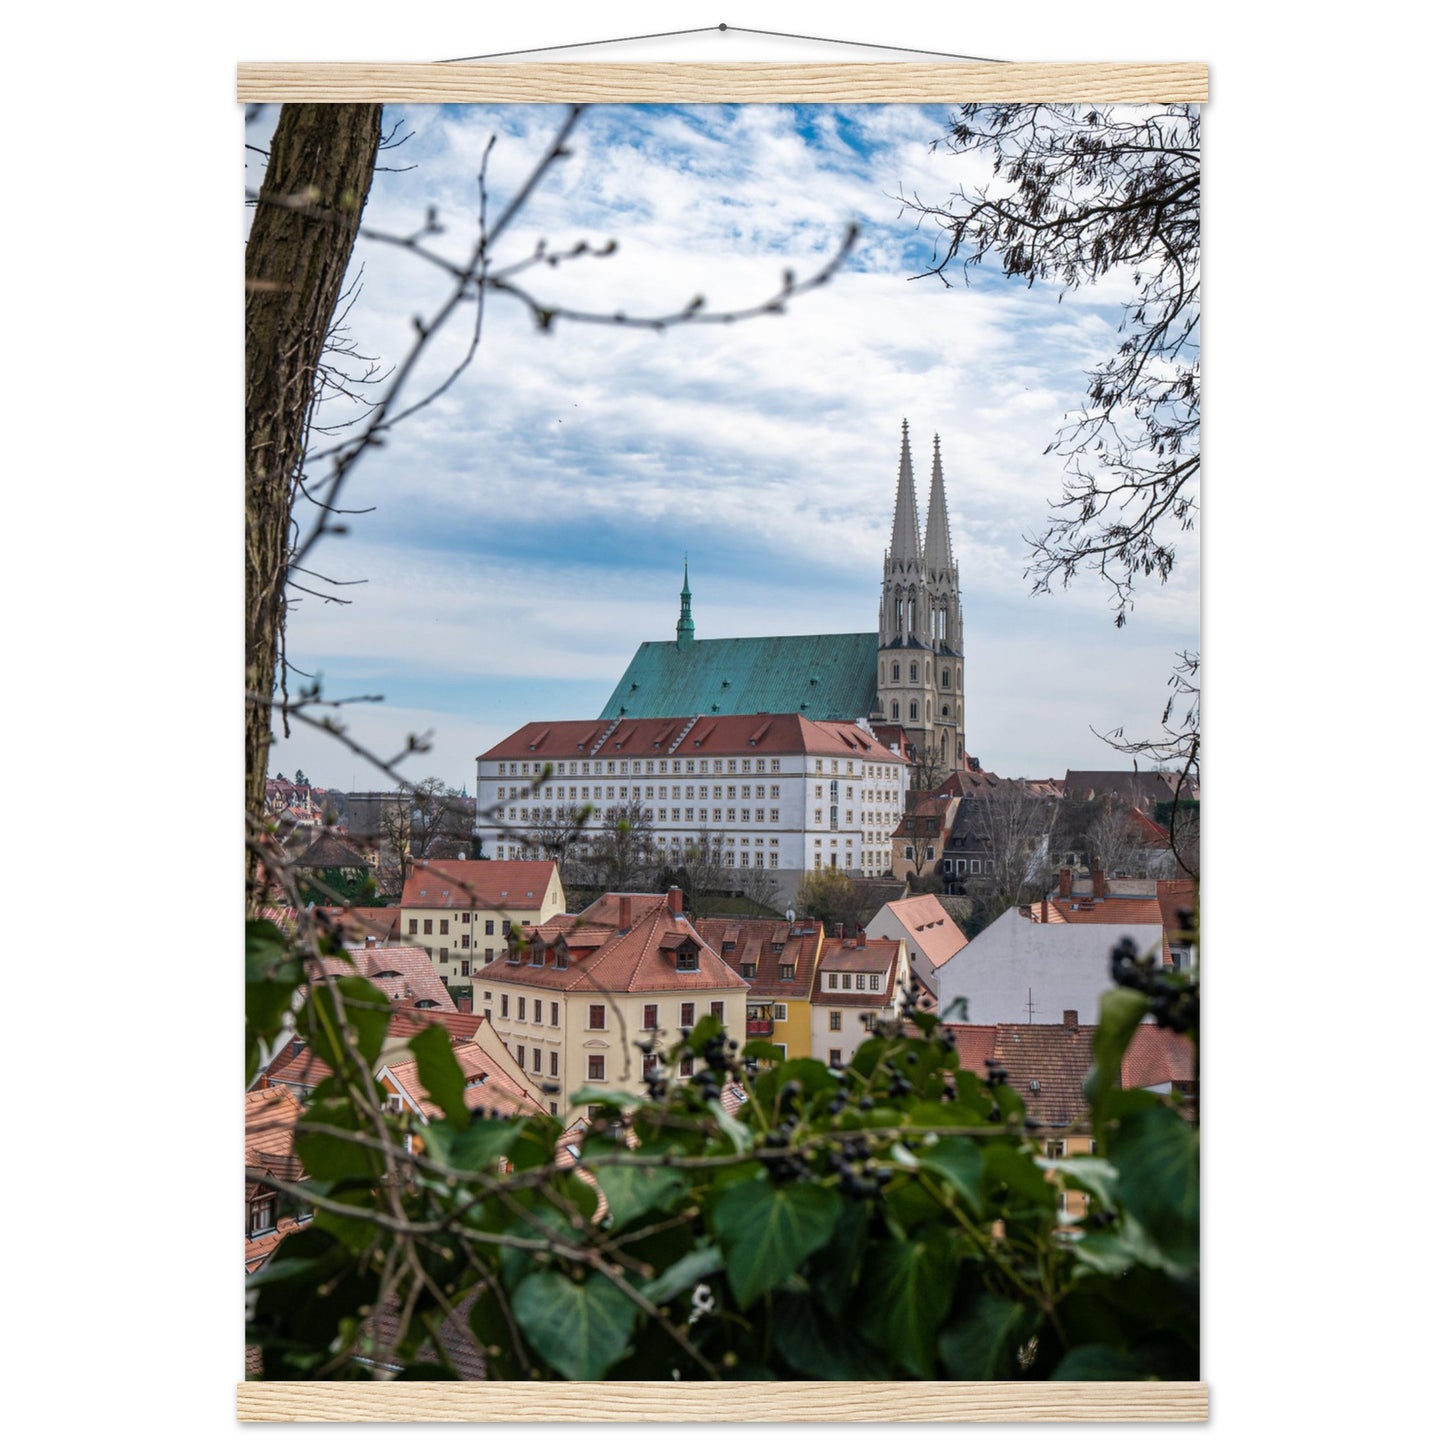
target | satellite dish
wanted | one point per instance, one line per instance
(461, 857)
(790, 916)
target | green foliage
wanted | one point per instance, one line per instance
(893, 1220)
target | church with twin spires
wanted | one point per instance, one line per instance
(907, 676)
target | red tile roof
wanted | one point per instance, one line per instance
(783, 733)
(358, 924)
(271, 1115)
(402, 973)
(1157, 1056)
(478, 883)
(757, 956)
(851, 955)
(638, 961)
(1058, 1058)
(1141, 911)
(929, 927)
(487, 1085)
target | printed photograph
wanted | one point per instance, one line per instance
(722, 746)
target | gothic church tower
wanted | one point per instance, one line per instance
(920, 628)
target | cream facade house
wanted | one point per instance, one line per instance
(578, 997)
(856, 980)
(461, 911)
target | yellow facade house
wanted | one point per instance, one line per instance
(462, 911)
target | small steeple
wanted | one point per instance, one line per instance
(684, 618)
(938, 545)
(905, 509)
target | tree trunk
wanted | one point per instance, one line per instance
(307, 215)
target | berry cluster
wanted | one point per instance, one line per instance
(1173, 999)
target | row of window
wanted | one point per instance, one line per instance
(638, 767)
(444, 927)
(945, 676)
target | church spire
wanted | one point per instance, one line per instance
(684, 618)
(938, 545)
(905, 509)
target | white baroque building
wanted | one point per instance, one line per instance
(775, 791)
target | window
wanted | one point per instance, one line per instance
(489, 955)
(685, 1068)
(261, 1217)
(847, 983)
(835, 1021)
(596, 1066)
(536, 1061)
(491, 927)
(411, 925)
(521, 1009)
(506, 1005)
(552, 1064)
(686, 957)
(716, 1008)
(426, 925)
(1054, 1149)
(445, 926)
(835, 1058)
(833, 980)
(466, 940)
(913, 712)
(787, 970)
(466, 968)
(649, 1065)
(522, 1055)
(554, 1015)
(895, 672)
(597, 1016)
(689, 1013)
(445, 955)
(873, 983)
(780, 1012)
(536, 1010)
(466, 918)
(649, 1016)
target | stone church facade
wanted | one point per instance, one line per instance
(906, 676)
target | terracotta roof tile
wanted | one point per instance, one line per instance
(929, 928)
(478, 883)
(756, 948)
(642, 960)
(402, 972)
(686, 736)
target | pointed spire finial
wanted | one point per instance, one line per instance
(684, 617)
(905, 508)
(938, 543)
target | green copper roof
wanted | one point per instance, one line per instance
(822, 677)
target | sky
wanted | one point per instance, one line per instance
(516, 540)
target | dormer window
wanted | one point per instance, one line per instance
(686, 957)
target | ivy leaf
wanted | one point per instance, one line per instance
(736, 1134)
(766, 1233)
(817, 1348)
(1157, 1156)
(1121, 1011)
(908, 1284)
(632, 1191)
(982, 1342)
(1097, 1362)
(363, 1010)
(960, 1162)
(581, 1330)
(273, 974)
(440, 1074)
(1097, 1177)
(482, 1144)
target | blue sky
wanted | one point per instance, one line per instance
(528, 530)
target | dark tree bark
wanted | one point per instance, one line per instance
(307, 216)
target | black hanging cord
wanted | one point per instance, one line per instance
(716, 30)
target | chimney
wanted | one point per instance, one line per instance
(841, 928)
(674, 901)
(1071, 1020)
(371, 940)
(464, 1003)
(1100, 886)
(1066, 882)
(624, 912)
